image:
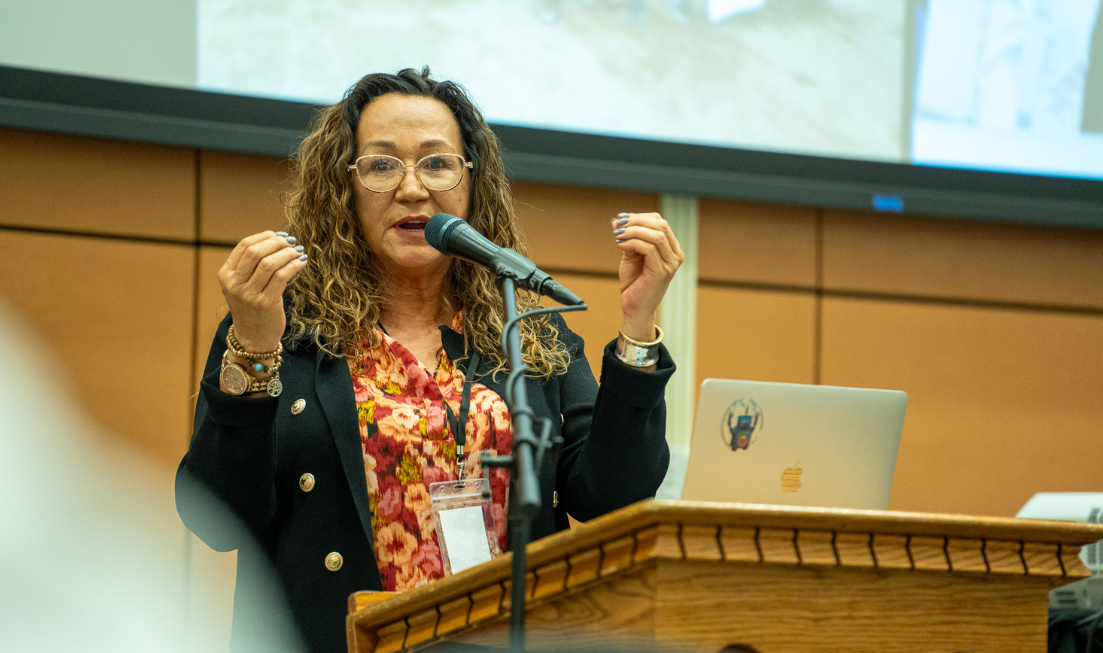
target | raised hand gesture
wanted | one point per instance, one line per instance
(253, 280)
(650, 255)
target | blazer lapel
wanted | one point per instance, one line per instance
(333, 383)
(453, 346)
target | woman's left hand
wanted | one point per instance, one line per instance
(650, 255)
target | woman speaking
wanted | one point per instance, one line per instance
(354, 353)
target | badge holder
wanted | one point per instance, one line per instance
(463, 514)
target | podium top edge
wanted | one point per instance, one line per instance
(873, 521)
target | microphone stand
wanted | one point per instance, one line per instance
(529, 453)
(525, 485)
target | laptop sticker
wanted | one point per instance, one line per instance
(742, 420)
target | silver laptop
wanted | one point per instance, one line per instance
(787, 443)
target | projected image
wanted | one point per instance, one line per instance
(1012, 85)
(821, 77)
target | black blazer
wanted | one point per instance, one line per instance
(252, 452)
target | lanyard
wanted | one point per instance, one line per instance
(459, 426)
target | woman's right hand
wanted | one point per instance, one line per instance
(253, 280)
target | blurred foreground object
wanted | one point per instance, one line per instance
(92, 557)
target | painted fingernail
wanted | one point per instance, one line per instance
(622, 215)
(303, 257)
(282, 233)
(622, 221)
(620, 240)
(291, 240)
(617, 232)
(299, 248)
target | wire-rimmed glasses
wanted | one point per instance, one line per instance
(380, 173)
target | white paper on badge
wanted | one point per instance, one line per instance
(465, 537)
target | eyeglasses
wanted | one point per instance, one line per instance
(380, 173)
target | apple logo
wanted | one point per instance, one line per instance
(790, 478)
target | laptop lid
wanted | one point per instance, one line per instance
(794, 444)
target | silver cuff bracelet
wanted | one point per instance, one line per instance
(636, 353)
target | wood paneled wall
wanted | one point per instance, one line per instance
(994, 330)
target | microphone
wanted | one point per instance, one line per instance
(452, 236)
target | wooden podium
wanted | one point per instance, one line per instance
(705, 576)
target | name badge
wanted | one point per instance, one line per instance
(463, 514)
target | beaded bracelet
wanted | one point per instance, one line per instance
(274, 368)
(236, 349)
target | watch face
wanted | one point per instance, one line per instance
(234, 379)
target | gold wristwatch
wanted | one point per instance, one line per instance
(236, 381)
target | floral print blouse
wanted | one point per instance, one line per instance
(408, 444)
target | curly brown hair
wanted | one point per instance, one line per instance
(338, 297)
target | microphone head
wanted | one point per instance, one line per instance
(438, 228)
